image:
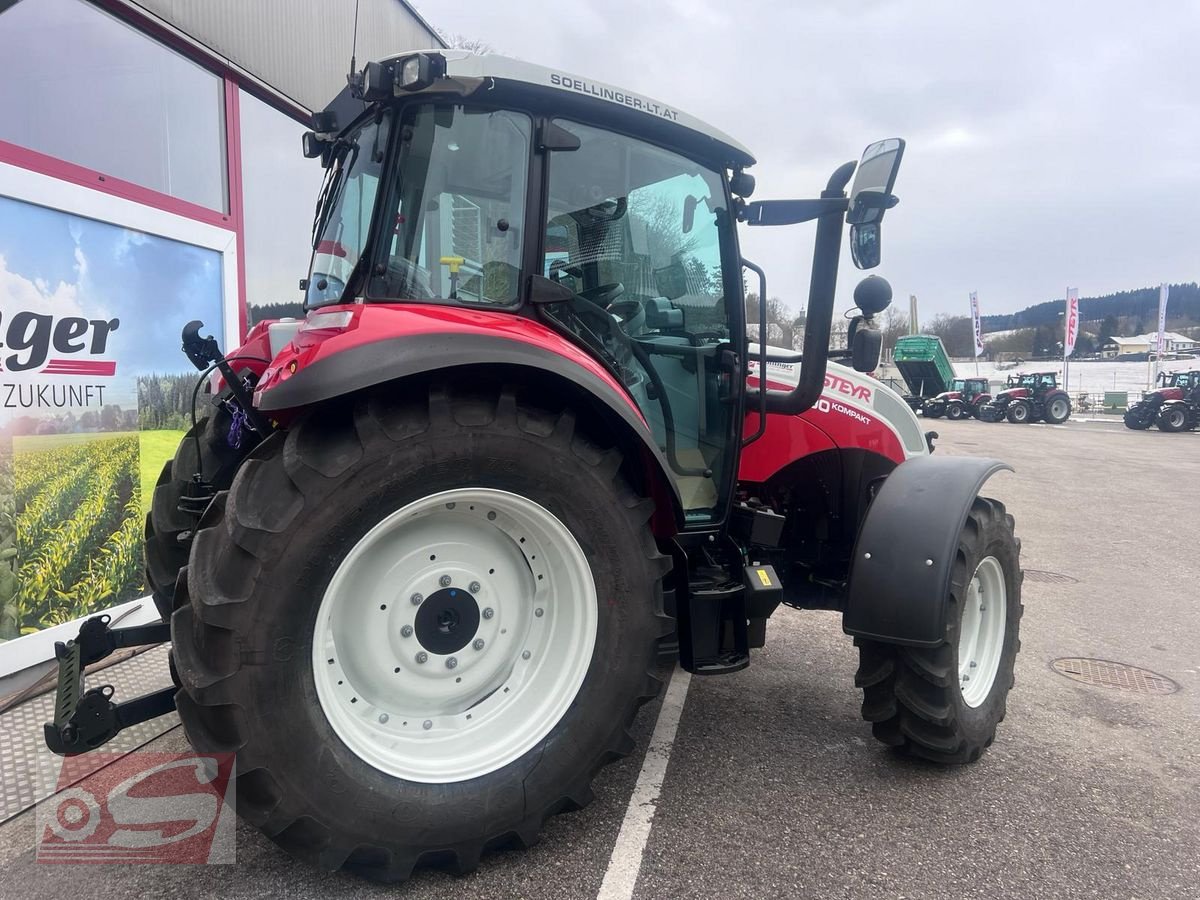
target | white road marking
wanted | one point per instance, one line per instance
(626, 860)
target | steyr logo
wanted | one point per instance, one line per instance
(846, 386)
(140, 807)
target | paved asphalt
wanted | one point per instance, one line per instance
(776, 789)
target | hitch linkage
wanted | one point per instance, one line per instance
(83, 720)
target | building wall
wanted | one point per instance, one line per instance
(309, 65)
(150, 174)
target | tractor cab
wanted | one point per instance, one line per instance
(502, 188)
(1176, 385)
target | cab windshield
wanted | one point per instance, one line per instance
(344, 211)
(453, 217)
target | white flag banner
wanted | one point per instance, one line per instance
(979, 348)
(1163, 292)
(1072, 325)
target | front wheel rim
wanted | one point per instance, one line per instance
(981, 632)
(1175, 419)
(455, 635)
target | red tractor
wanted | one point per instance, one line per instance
(1175, 406)
(1028, 399)
(963, 400)
(420, 554)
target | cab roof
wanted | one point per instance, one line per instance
(494, 76)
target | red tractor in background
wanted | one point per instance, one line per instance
(1174, 406)
(963, 400)
(419, 555)
(1029, 398)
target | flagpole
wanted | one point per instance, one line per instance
(1066, 359)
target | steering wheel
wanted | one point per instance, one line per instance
(404, 278)
(603, 295)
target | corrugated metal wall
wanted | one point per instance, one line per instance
(301, 48)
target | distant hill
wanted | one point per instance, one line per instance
(1129, 306)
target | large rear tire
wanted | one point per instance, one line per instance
(168, 527)
(1173, 418)
(944, 703)
(1057, 409)
(324, 615)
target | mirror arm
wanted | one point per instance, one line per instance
(821, 291)
(762, 352)
(790, 212)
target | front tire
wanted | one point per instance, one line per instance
(956, 411)
(944, 703)
(1020, 412)
(1139, 417)
(399, 766)
(205, 450)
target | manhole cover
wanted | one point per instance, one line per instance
(1049, 577)
(1105, 673)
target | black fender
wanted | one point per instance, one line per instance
(390, 359)
(900, 571)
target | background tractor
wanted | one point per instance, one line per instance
(419, 556)
(965, 397)
(1029, 398)
(1172, 406)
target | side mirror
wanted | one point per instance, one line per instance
(689, 213)
(870, 197)
(865, 247)
(871, 194)
(866, 344)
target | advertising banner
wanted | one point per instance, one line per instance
(977, 327)
(1163, 293)
(1071, 332)
(94, 397)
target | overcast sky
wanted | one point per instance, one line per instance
(1049, 143)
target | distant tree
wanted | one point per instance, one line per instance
(462, 42)
(1108, 329)
(956, 332)
(893, 327)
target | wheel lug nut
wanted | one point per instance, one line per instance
(427, 724)
(983, 609)
(488, 612)
(478, 645)
(452, 663)
(538, 612)
(966, 678)
(444, 581)
(406, 631)
(525, 655)
(416, 599)
(383, 717)
(973, 664)
(474, 587)
(422, 657)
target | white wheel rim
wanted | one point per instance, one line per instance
(1175, 418)
(981, 634)
(1019, 412)
(1058, 409)
(430, 719)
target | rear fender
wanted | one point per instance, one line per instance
(364, 365)
(900, 573)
